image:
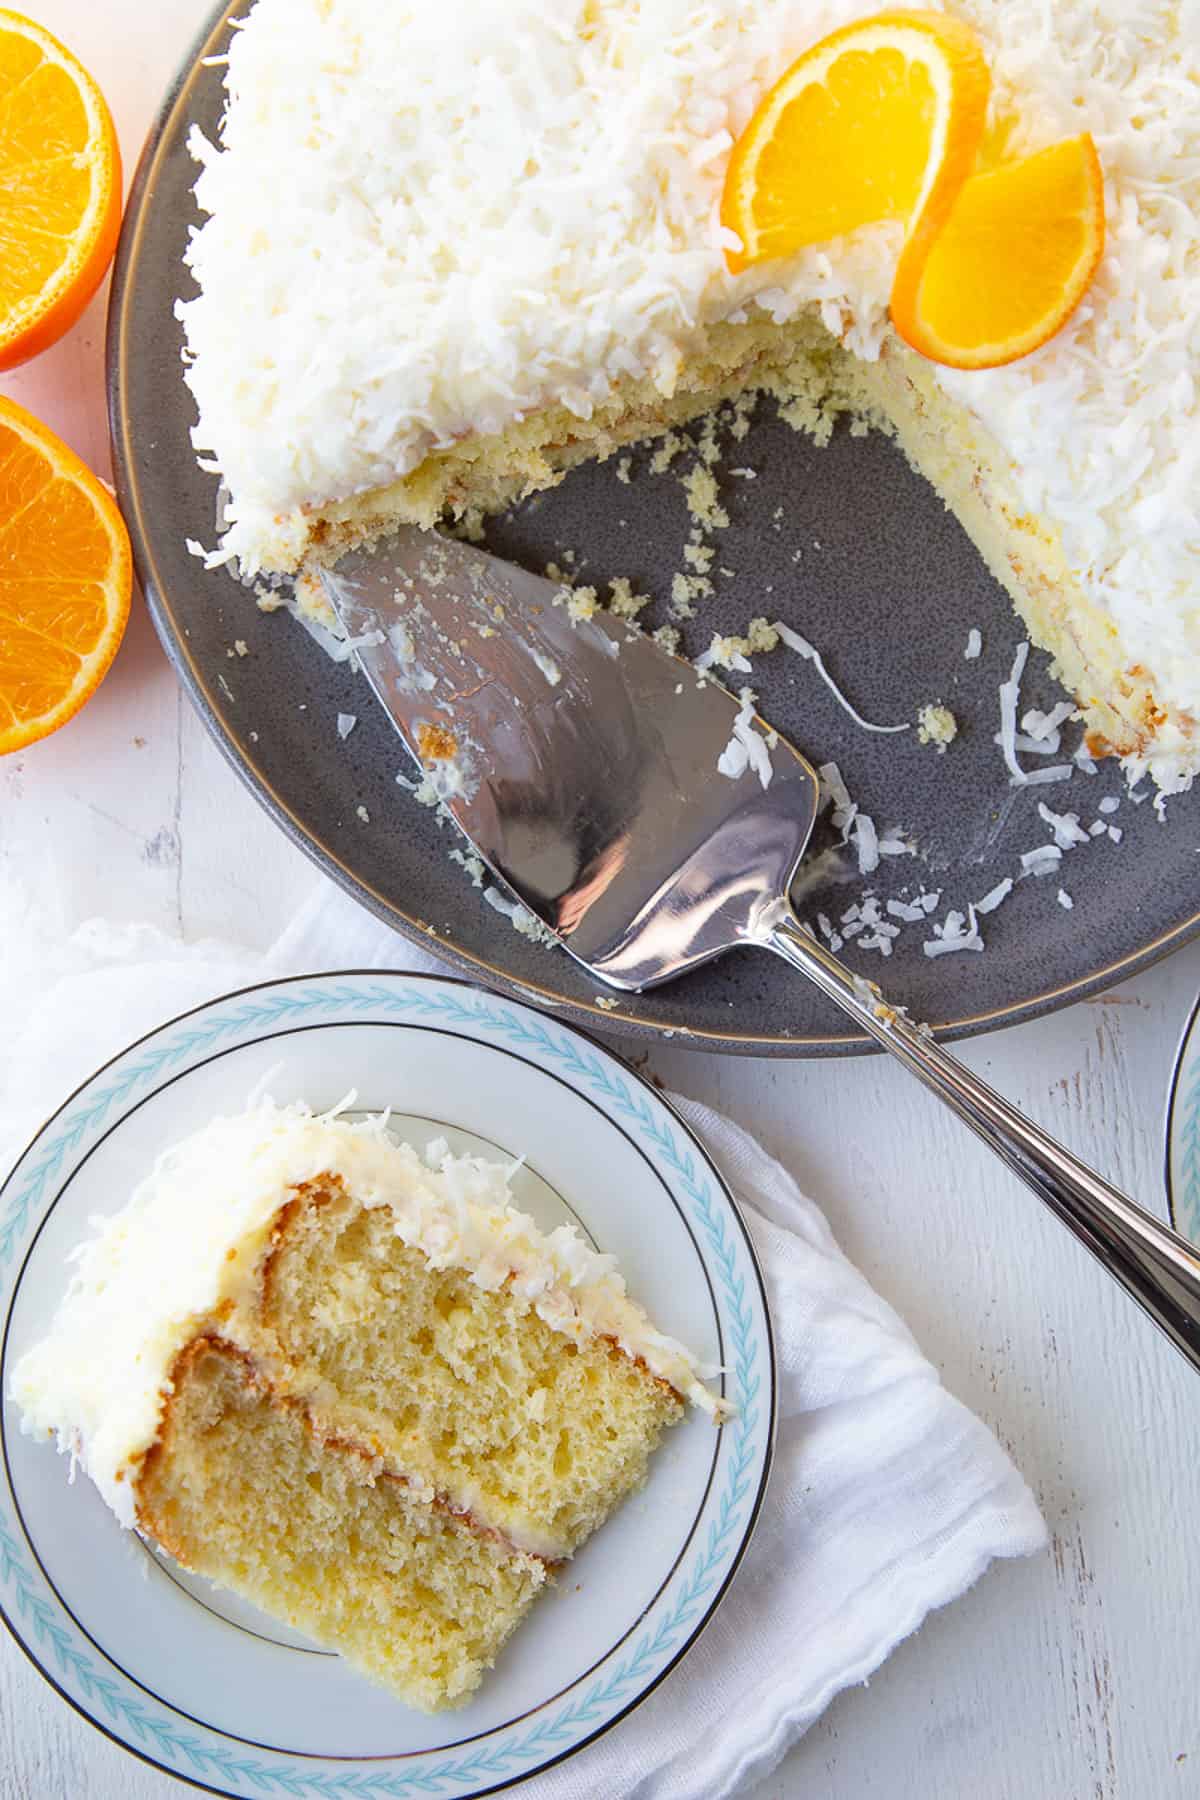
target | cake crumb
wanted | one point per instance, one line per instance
(725, 653)
(468, 527)
(363, 814)
(623, 467)
(703, 499)
(240, 648)
(622, 599)
(667, 638)
(743, 412)
(606, 1002)
(471, 863)
(436, 744)
(761, 636)
(808, 417)
(681, 597)
(936, 724)
(708, 447)
(668, 449)
(582, 603)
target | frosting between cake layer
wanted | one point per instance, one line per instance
(189, 1244)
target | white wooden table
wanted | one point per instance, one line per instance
(1073, 1675)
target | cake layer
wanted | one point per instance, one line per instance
(187, 1250)
(1125, 713)
(804, 367)
(466, 1391)
(240, 1487)
(359, 1388)
(484, 473)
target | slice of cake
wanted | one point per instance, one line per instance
(435, 275)
(356, 1386)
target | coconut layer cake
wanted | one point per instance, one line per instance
(355, 1385)
(447, 256)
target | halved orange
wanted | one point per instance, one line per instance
(1009, 266)
(60, 183)
(881, 120)
(65, 580)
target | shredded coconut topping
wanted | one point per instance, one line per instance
(746, 749)
(803, 648)
(535, 217)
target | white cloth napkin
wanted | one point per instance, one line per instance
(888, 1497)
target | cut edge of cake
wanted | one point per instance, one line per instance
(804, 367)
(321, 1534)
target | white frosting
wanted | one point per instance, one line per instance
(423, 228)
(193, 1235)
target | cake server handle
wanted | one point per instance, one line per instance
(1160, 1269)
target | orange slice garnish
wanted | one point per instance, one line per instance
(881, 120)
(1010, 264)
(65, 580)
(60, 189)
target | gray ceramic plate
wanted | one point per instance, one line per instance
(844, 543)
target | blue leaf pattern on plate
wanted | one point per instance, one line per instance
(513, 1752)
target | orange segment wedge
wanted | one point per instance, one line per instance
(65, 580)
(60, 189)
(881, 120)
(1010, 264)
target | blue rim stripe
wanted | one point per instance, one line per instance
(1184, 1148)
(515, 1754)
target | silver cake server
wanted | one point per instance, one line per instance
(621, 798)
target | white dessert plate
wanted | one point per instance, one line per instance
(215, 1693)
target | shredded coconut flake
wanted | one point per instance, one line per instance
(995, 896)
(955, 934)
(1040, 725)
(803, 648)
(1065, 826)
(866, 843)
(1050, 777)
(1041, 860)
(1010, 697)
(746, 749)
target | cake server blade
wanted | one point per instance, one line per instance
(651, 823)
(578, 756)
